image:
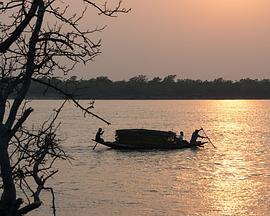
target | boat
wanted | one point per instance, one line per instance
(136, 139)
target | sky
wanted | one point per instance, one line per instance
(196, 39)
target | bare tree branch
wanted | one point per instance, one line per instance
(17, 32)
(32, 48)
(70, 97)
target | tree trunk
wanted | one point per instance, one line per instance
(8, 198)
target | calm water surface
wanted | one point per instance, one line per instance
(233, 179)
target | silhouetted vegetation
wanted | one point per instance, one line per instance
(139, 87)
(37, 38)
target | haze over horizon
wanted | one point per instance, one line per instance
(193, 39)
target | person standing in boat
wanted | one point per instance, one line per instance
(98, 136)
(195, 136)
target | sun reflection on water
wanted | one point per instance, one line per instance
(232, 191)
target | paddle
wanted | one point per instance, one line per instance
(95, 145)
(208, 138)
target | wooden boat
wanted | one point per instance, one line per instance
(117, 145)
(134, 139)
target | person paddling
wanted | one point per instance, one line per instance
(195, 136)
(98, 136)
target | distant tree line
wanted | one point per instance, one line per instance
(140, 87)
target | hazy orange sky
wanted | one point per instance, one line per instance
(197, 39)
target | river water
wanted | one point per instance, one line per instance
(232, 179)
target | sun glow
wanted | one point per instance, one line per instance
(234, 8)
(229, 3)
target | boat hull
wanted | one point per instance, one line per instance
(182, 145)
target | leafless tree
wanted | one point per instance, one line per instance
(36, 37)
